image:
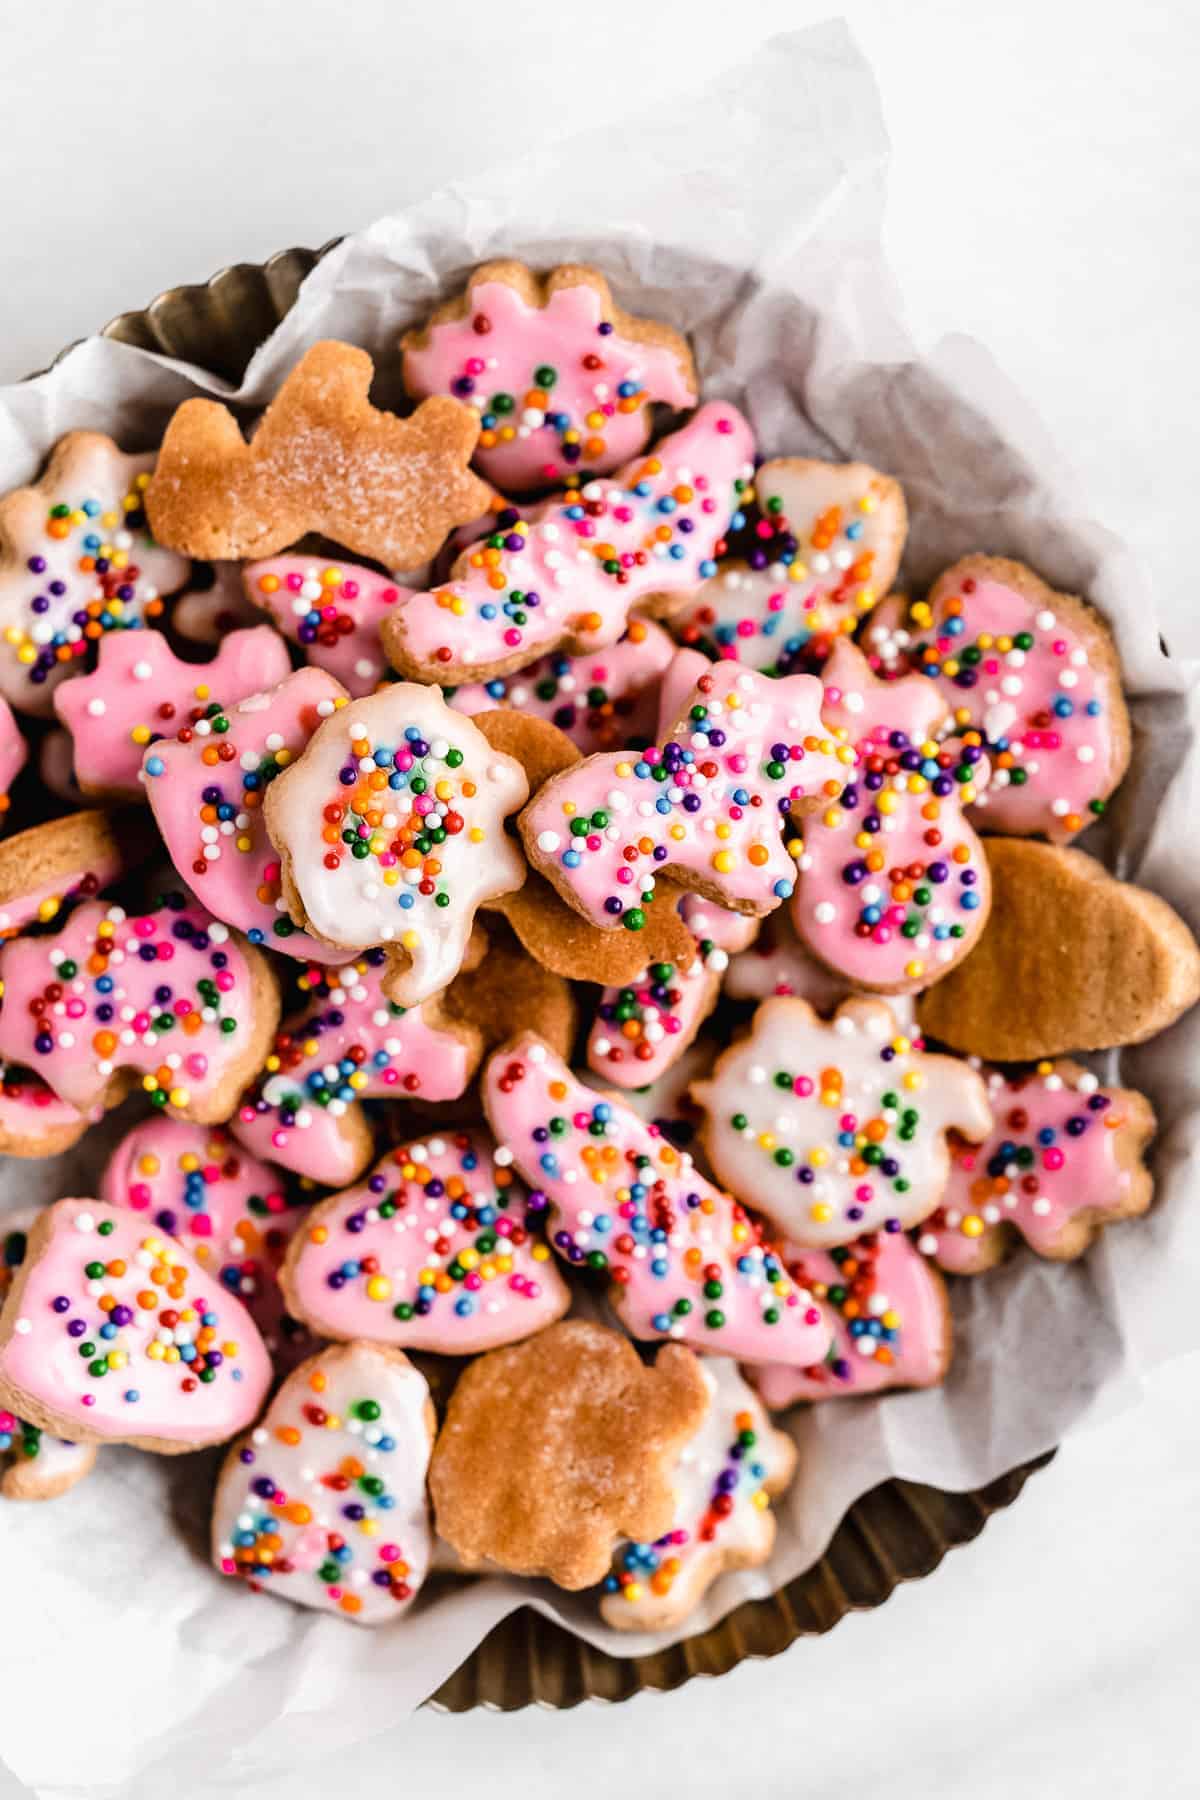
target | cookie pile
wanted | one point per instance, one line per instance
(521, 852)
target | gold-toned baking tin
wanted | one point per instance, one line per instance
(897, 1532)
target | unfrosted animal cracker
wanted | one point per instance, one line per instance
(508, 989)
(322, 459)
(332, 611)
(213, 605)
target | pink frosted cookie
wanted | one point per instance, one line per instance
(233, 1212)
(76, 562)
(833, 1129)
(350, 1044)
(206, 791)
(893, 887)
(565, 574)
(205, 615)
(601, 701)
(724, 1480)
(562, 379)
(112, 1334)
(140, 691)
(1063, 1161)
(390, 830)
(439, 1249)
(1037, 674)
(13, 754)
(34, 1122)
(169, 1000)
(35, 1464)
(331, 611)
(891, 1322)
(707, 807)
(324, 1502)
(72, 858)
(683, 1259)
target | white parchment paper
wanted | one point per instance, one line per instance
(748, 215)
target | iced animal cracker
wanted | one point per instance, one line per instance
(112, 1333)
(34, 1122)
(390, 829)
(438, 1249)
(169, 1000)
(723, 1480)
(1063, 1160)
(141, 692)
(72, 858)
(13, 754)
(564, 575)
(56, 766)
(324, 1501)
(683, 1259)
(76, 562)
(835, 1128)
(34, 1465)
(562, 379)
(331, 610)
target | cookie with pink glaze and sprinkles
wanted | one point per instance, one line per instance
(563, 380)
(112, 1333)
(1063, 1160)
(34, 1122)
(34, 1465)
(72, 858)
(14, 752)
(683, 1260)
(832, 1128)
(724, 1480)
(323, 1503)
(332, 611)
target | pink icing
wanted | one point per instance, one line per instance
(171, 1324)
(13, 752)
(438, 1249)
(147, 992)
(1056, 1152)
(743, 750)
(601, 701)
(141, 691)
(206, 615)
(349, 1045)
(684, 1260)
(579, 423)
(42, 903)
(332, 611)
(29, 1109)
(588, 556)
(778, 965)
(890, 1323)
(206, 791)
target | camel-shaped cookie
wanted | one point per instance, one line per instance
(331, 611)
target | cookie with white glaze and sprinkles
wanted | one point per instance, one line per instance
(169, 1001)
(390, 831)
(891, 1322)
(441, 1248)
(562, 379)
(1036, 672)
(1064, 1160)
(682, 1259)
(324, 1503)
(724, 1481)
(565, 574)
(34, 1465)
(554, 1449)
(77, 561)
(140, 693)
(332, 612)
(72, 858)
(835, 1127)
(112, 1333)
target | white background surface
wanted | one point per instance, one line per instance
(1045, 194)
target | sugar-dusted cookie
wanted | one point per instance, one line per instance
(351, 1043)
(331, 610)
(213, 605)
(553, 1449)
(601, 701)
(562, 379)
(34, 1122)
(565, 574)
(14, 752)
(835, 1128)
(140, 692)
(111, 1333)
(724, 1480)
(1037, 673)
(1063, 1160)
(322, 459)
(324, 1501)
(683, 1259)
(73, 858)
(891, 1322)
(76, 562)
(34, 1465)
(390, 830)
(169, 1000)
(1071, 959)
(706, 808)
(440, 1248)
(207, 788)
